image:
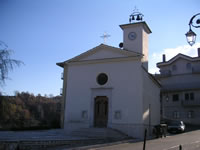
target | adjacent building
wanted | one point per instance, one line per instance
(180, 92)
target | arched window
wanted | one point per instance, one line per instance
(188, 66)
(174, 68)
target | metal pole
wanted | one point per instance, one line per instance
(149, 119)
(145, 135)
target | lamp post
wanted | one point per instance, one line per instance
(190, 35)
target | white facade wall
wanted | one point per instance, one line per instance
(124, 90)
(151, 102)
(137, 44)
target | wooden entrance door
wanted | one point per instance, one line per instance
(101, 111)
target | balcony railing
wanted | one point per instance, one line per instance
(163, 73)
(191, 103)
(196, 70)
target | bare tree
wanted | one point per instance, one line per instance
(6, 62)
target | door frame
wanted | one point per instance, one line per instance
(106, 91)
(105, 109)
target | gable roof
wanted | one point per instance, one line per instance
(178, 56)
(152, 77)
(81, 57)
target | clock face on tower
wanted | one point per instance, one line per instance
(132, 36)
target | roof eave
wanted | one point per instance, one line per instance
(76, 58)
(146, 27)
(61, 64)
(177, 57)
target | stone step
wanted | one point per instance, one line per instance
(99, 133)
(47, 144)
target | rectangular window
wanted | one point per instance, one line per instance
(167, 98)
(84, 114)
(175, 97)
(176, 115)
(191, 96)
(190, 114)
(118, 115)
(186, 96)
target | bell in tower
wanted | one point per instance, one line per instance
(135, 35)
(136, 16)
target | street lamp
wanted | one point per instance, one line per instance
(190, 35)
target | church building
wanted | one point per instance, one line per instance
(110, 87)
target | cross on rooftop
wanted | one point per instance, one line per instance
(105, 36)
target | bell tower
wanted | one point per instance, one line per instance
(135, 36)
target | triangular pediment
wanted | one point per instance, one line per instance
(102, 52)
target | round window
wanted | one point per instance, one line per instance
(102, 79)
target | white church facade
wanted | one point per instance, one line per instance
(109, 87)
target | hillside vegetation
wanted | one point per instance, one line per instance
(27, 112)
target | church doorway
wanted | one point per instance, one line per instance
(101, 111)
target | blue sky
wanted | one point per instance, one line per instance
(44, 32)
